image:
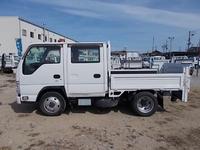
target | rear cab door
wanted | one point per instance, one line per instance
(85, 73)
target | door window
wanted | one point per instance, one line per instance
(39, 55)
(85, 54)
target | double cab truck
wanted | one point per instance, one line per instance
(54, 75)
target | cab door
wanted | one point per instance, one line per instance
(85, 70)
(42, 66)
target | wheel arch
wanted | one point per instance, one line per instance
(147, 90)
(133, 93)
(59, 89)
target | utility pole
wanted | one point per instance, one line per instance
(153, 44)
(190, 34)
(43, 32)
(170, 41)
(166, 46)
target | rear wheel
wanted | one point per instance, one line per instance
(52, 104)
(144, 104)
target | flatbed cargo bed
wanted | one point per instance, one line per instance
(150, 80)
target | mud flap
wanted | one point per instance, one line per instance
(176, 95)
(160, 100)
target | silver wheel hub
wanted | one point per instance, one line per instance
(145, 104)
(52, 104)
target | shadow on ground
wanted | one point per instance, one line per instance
(23, 108)
(30, 108)
(95, 110)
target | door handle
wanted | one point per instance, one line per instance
(56, 76)
(96, 75)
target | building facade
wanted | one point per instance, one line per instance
(16, 34)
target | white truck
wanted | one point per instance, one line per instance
(53, 75)
(8, 62)
(115, 62)
(132, 60)
(157, 62)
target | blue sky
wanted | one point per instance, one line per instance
(126, 23)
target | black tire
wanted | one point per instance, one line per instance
(144, 104)
(52, 104)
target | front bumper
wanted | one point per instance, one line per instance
(19, 100)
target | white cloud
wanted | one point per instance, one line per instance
(185, 20)
(104, 10)
(83, 13)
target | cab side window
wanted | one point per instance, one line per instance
(39, 55)
(83, 54)
(53, 56)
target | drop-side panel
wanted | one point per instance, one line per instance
(146, 81)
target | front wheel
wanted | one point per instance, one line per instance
(52, 104)
(144, 104)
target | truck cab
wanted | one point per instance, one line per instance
(53, 75)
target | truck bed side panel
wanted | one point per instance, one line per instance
(146, 81)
